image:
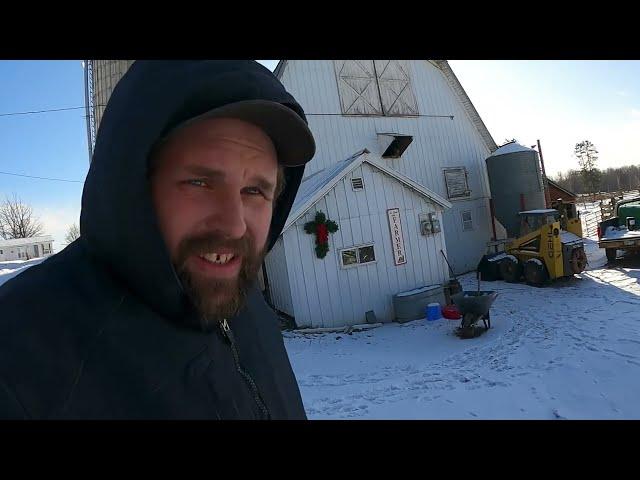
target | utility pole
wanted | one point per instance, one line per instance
(547, 197)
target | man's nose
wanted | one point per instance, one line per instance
(228, 217)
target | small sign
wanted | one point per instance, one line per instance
(397, 240)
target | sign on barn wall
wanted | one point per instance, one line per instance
(397, 240)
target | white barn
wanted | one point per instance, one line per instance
(363, 268)
(26, 248)
(381, 105)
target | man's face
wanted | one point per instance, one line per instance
(213, 186)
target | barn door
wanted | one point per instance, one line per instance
(395, 87)
(357, 87)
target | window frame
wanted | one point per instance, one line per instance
(464, 229)
(357, 248)
(467, 193)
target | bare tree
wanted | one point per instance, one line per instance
(17, 220)
(73, 233)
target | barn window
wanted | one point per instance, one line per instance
(366, 254)
(357, 183)
(394, 84)
(457, 182)
(375, 87)
(467, 221)
(393, 144)
(349, 257)
(357, 87)
(357, 255)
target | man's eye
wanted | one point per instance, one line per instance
(197, 183)
(253, 191)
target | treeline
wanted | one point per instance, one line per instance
(609, 180)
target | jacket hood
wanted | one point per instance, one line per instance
(117, 221)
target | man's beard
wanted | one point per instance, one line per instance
(218, 298)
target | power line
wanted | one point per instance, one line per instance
(10, 114)
(39, 111)
(41, 178)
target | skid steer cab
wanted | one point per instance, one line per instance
(543, 252)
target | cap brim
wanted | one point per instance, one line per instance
(290, 135)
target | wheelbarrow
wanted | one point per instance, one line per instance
(474, 306)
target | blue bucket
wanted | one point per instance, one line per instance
(434, 311)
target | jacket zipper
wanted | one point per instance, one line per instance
(228, 334)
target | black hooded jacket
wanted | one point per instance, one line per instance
(101, 329)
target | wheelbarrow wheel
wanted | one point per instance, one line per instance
(511, 270)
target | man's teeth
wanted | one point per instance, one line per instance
(218, 258)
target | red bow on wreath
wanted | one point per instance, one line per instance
(321, 227)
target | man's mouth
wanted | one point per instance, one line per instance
(218, 258)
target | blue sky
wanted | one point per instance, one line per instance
(558, 102)
(45, 145)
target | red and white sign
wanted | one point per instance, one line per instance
(397, 241)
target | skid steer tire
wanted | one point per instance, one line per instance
(611, 254)
(511, 270)
(535, 273)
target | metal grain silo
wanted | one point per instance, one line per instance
(516, 184)
(100, 78)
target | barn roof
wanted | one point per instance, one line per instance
(568, 192)
(18, 242)
(316, 186)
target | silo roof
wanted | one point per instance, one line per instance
(511, 148)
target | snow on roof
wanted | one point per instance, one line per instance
(310, 185)
(17, 242)
(511, 148)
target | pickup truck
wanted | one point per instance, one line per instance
(621, 232)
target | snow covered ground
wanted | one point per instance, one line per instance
(570, 350)
(566, 351)
(10, 269)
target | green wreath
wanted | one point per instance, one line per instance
(321, 228)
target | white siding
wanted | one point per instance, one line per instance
(326, 295)
(438, 142)
(24, 248)
(278, 277)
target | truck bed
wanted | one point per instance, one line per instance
(623, 233)
(620, 238)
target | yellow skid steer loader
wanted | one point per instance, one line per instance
(550, 246)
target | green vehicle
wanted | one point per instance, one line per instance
(621, 232)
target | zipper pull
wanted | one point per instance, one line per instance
(226, 331)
